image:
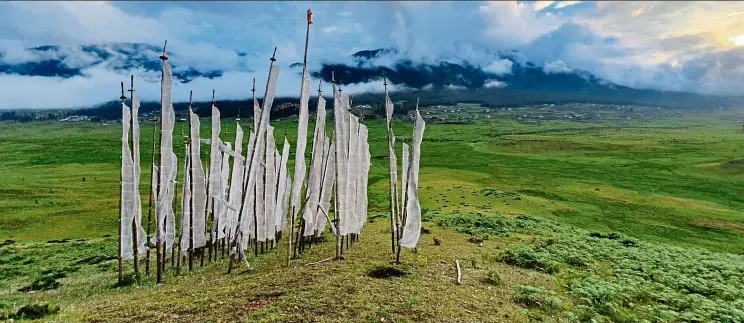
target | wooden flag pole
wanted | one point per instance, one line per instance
(185, 157)
(221, 242)
(160, 250)
(341, 241)
(336, 215)
(294, 208)
(210, 212)
(255, 204)
(253, 91)
(393, 187)
(135, 233)
(175, 211)
(149, 204)
(404, 190)
(191, 188)
(121, 180)
(255, 217)
(313, 161)
(234, 243)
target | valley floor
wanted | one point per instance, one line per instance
(607, 220)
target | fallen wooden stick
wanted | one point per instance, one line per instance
(319, 262)
(459, 273)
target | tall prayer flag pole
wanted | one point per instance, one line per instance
(160, 248)
(121, 180)
(131, 136)
(302, 153)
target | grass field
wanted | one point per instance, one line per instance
(670, 184)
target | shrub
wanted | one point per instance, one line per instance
(35, 311)
(528, 257)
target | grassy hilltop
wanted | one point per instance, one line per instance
(583, 213)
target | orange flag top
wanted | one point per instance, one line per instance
(309, 17)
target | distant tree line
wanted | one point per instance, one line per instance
(405, 101)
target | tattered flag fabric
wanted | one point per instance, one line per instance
(127, 211)
(221, 207)
(236, 185)
(170, 219)
(341, 125)
(260, 209)
(350, 220)
(247, 222)
(186, 207)
(412, 229)
(252, 169)
(164, 209)
(362, 177)
(282, 199)
(198, 184)
(270, 185)
(299, 166)
(141, 235)
(404, 178)
(329, 178)
(314, 182)
(392, 166)
(215, 161)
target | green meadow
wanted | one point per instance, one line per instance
(607, 219)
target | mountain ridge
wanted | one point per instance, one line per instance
(510, 81)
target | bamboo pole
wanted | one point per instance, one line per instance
(135, 233)
(391, 180)
(121, 180)
(255, 218)
(312, 162)
(234, 244)
(210, 213)
(403, 210)
(159, 243)
(191, 188)
(302, 87)
(175, 211)
(336, 218)
(149, 204)
(185, 157)
(341, 242)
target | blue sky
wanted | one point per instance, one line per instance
(686, 46)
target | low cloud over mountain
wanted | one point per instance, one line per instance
(74, 54)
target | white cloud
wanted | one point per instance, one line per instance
(558, 66)
(563, 4)
(687, 46)
(540, 5)
(494, 84)
(511, 24)
(499, 67)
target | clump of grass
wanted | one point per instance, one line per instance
(537, 297)
(493, 277)
(477, 239)
(410, 303)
